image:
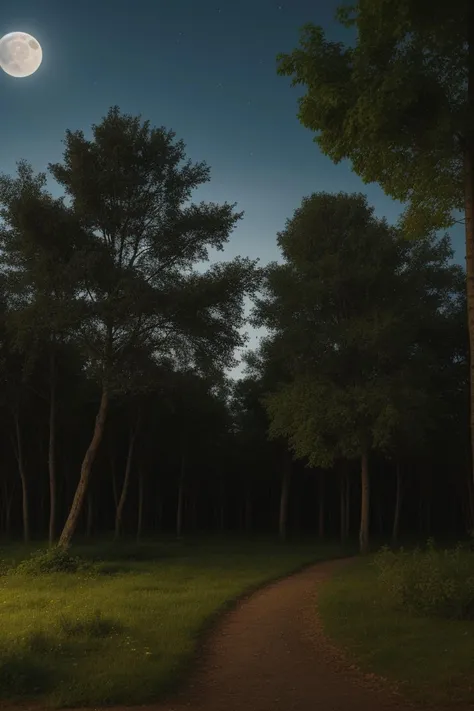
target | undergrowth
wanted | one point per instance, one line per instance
(430, 581)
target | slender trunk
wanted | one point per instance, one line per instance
(24, 483)
(321, 506)
(52, 448)
(180, 506)
(365, 504)
(284, 498)
(126, 480)
(86, 468)
(140, 505)
(469, 218)
(398, 507)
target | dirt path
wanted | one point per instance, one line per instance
(270, 654)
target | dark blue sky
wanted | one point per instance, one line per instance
(204, 68)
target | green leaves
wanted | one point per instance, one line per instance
(395, 104)
(354, 314)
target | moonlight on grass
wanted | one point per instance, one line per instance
(20, 54)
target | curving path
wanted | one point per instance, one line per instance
(269, 654)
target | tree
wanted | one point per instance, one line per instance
(399, 104)
(338, 309)
(129, 190)
(42, 261)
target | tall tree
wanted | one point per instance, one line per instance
(41, 259)
(398, 102)
(130, 188)
(337, 311)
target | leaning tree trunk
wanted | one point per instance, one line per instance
(365, 504)
(126, 479)
(24, 483)
(284, 498)
(86, 468)
(398, 507)
(52, 448)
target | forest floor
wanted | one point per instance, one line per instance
(127, 633)
(271, 651)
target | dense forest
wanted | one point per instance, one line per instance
(118, 333)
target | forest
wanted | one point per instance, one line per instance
(158, 471)
(118, 331)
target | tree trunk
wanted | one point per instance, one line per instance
(321, 506)
(24, 483)
(126, 479)
(52, 448)
(365, 504)
(284, 498)
(180, 506)
(398, 507)
(140, 505)
(86, 468)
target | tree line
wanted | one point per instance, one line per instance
(117, 334)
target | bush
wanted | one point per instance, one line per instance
(54, 560)
(436, 583)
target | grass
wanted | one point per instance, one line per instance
(127, 633)
(430, 659)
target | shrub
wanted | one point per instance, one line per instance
(436, 583)
(53, 560)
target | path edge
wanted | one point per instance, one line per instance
(181, 685)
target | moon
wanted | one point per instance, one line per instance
(20, 54)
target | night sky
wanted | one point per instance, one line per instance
(205, 69)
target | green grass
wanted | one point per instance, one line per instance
(430, 659)
(128, 633)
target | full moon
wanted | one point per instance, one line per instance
(20, 54)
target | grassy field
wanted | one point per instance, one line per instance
(127, 632)
(431, 659)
